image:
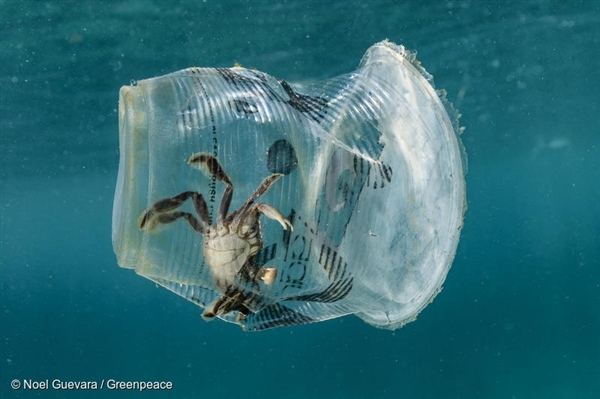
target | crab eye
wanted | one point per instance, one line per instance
(366, 167)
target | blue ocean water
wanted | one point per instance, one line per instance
(519, 316)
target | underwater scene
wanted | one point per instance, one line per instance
(336, 199)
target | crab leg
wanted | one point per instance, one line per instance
(170, 217)
(263, 188)
(210, 165)
(161, 212)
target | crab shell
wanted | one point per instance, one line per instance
(226, 252)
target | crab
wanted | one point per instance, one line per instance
(231, 245)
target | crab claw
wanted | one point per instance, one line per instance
(267, 275)
(274, 214)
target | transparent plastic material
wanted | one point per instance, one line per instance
(340, 197)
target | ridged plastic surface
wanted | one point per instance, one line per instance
(372, 183)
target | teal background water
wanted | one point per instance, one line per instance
(519, 316)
